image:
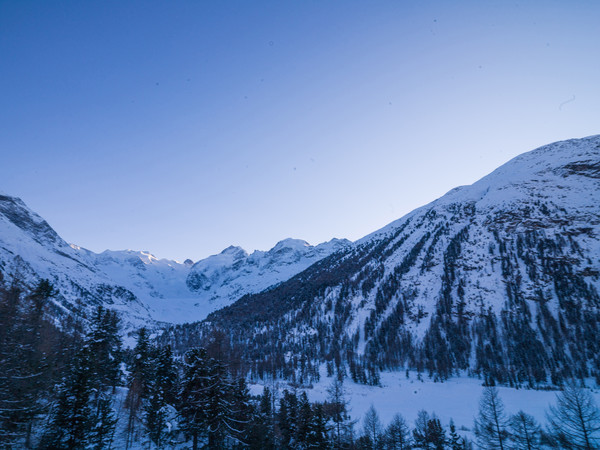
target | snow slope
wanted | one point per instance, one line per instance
(30, 250)
(146, 289)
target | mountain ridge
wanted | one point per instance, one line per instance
(145, 289)
(499, 279)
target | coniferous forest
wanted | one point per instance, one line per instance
(77, 387)
(546, 331)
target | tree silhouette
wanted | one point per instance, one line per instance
(575, 420)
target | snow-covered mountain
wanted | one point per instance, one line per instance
(221, 279)
(146, 289)
(500, 279)
(30, 250)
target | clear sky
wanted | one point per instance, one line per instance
(182, 127)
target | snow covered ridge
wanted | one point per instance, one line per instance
(223, 278)
(145, 289)
(551, 171)
(498, 279)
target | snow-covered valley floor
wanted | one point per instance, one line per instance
(456, 399)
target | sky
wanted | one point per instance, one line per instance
(183, 127)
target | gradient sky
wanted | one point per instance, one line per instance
(182, 127)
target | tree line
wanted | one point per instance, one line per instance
(76, 387)
(573, 423)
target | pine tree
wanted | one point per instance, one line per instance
(161, 394)
(155, 418)
(166, 375)
(364, 442)
(33, 352)
(193, 402)
(317, 435)
(27, 359)
(9, 308)
(287, 419)
(575, 420)
(304, 421)
(490, 425)
(397, 434)
(241, 412)
(428, 432)
(455, 442)
(436, 436)
(138, 382)
(105, 344)
(16, 399)
(219, 409)
(261, 435)
(210, 403)
(103, 429)
(420, 436)
(72, 420)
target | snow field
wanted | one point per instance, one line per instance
(456, 398)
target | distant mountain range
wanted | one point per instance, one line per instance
(145, 289)
(499, 279)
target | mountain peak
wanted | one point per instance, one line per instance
(235, 251)
(289, 243)
(15, 211)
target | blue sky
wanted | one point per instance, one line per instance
(182, 127)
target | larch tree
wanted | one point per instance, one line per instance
(338, 402)
(574, 422)
(491, 422)
(372, 427)
(525, 432)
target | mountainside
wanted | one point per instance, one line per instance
(145, 289)
(499, 279)
(30, 250)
